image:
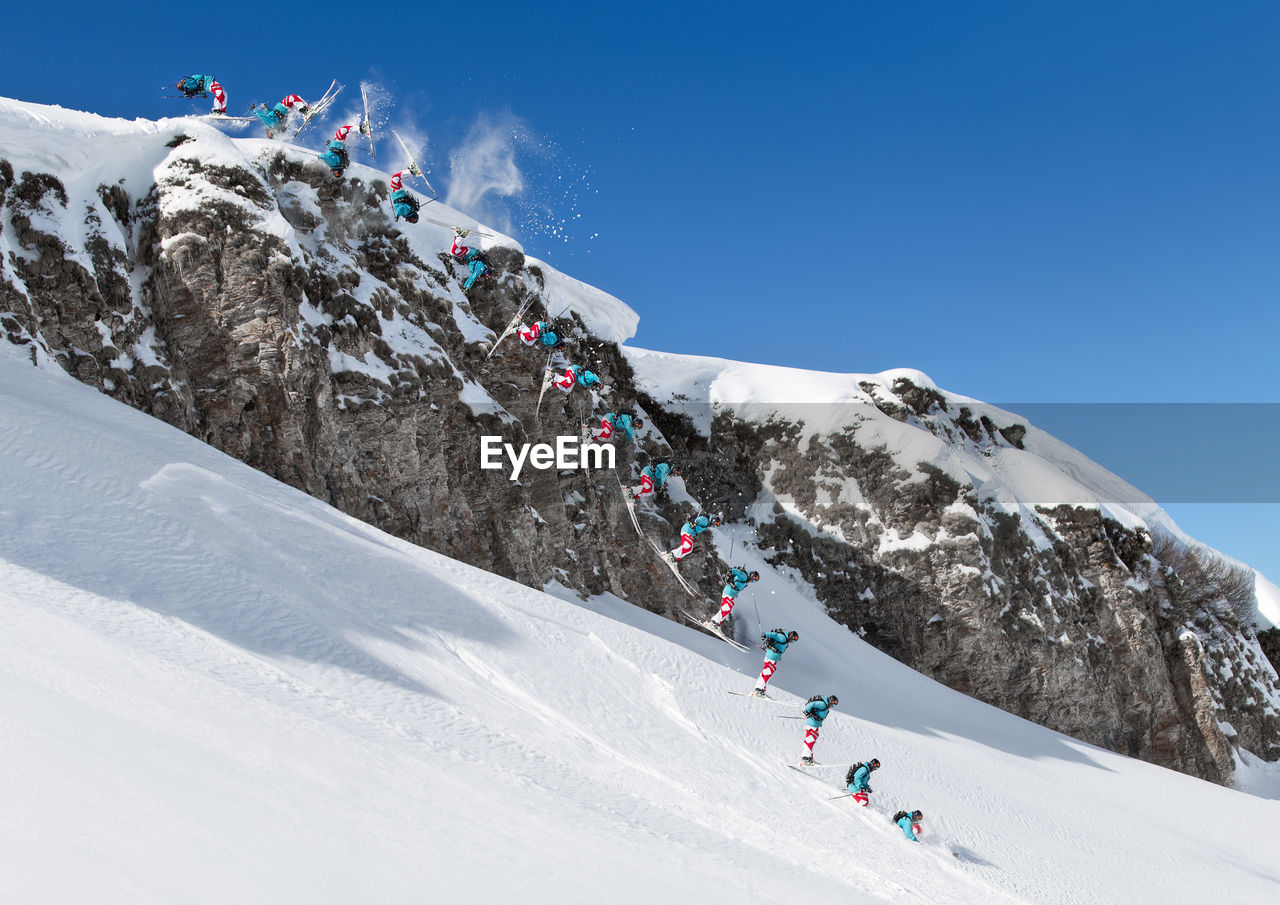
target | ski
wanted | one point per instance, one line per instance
(511, 327)
(665, 557)
(470, 230)
(546, 382)
(766, 698)
(415, 169)
(325, 102)
(698, 623)
(805, 770)
(366, 124)
(630, 503)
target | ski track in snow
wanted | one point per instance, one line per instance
(335, 715)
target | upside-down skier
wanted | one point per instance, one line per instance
(336, 157)
(403, 203)
(275, 118)
(202, 86)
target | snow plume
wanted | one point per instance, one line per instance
(505, 174)
(484, 167)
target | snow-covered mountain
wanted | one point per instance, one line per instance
(234, 289)
(194, 715)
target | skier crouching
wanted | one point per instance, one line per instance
(816, 709)
(776, 643)
(738, 579)
(403, 204)
(337, 159)
(575, 374)
(688, 531)
(618, 421)
(653, 477)
(194, 85)
(910, 823)
(858, 778)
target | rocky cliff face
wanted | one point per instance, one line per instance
(240, 293)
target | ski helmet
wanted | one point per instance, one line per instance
(793, 635)
(832, 700)
(917, 815)
(637, 422)
(754, 576)
(874, 763)
(675, 471)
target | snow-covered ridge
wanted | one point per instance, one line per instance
(84, 151)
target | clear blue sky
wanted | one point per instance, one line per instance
(1067, 202)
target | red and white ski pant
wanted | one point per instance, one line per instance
(293, 100)
(810, 739)
(458, 250)
(567, 381)
(396, 183)
(605, 432)
(861, 798)
(342, 133)
(726, 607)
(528, 335)
(219, 97)
(645, 488)
(685, 548)
(766, 673)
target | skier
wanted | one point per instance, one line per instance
(688, 531)
(626, 422)
(274, 118)
(194, 85)
(473, 257)
(575, 374)
(738, 579)
(857, 779)
(403, 204)
(816, 709)
(539, 330)
(337, 158)
(910, 823)
(653, 477)
(776, 643)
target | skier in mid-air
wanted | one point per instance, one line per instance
(538, 331)
(738, 580)
(858, 780)
(910, 823)
(336, 157)
(403, 204)
(688, 531)
(275, 118)
(202, 86)
(472, 257)
(574, 375)
(816, 709)
(775, 643)
(626, 422)
(653, 477)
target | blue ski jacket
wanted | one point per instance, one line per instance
(659, 472)
(738, 580)
(778, 647)
(197, 83)
(817, 711)
(273, 118)
(400, 203)
(546, 336)
(861, 780)
(905, 823)
(332, 158)
(585, 377)
(696, 526)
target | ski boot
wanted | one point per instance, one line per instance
(759, 693)
(806, 761)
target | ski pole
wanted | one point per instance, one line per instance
(781, 717)
(845, 795)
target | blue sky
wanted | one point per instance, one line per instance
(1027, 201)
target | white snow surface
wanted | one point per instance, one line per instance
(217, 688)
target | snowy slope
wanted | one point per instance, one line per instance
(217, 688)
